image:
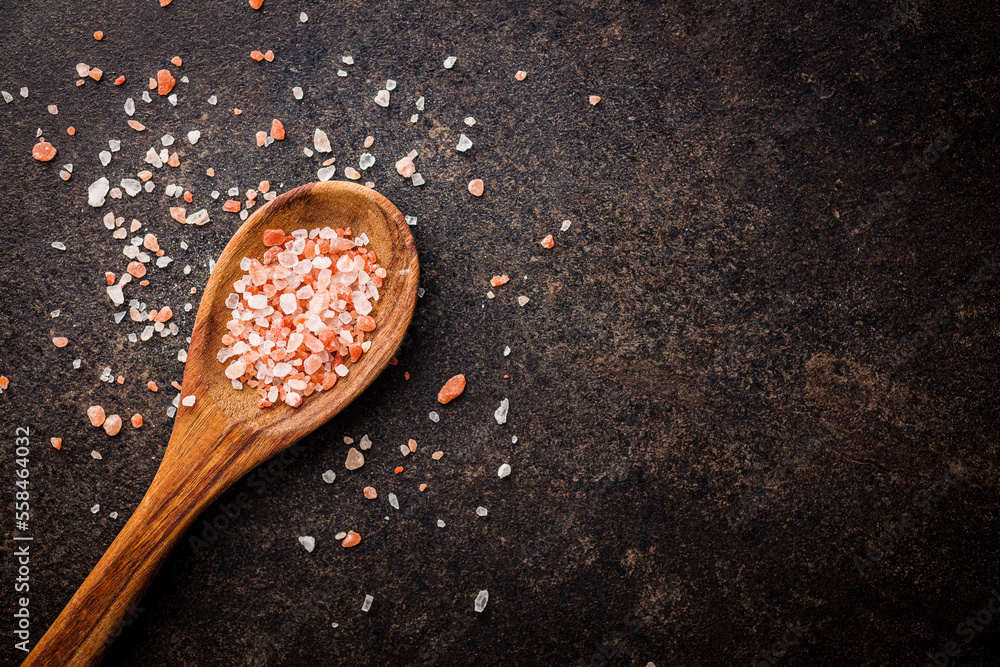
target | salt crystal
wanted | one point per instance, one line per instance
(188, 400)
(172, 99)
(199, 217)
(97, 191)
(506, 350)
(114, 144)
(450, 61)
(394, 501)
(382, 98)
(417, 179)
(490, 294)
(411, 219)
(303, 17)
(132, 186)
(355, 459)
(341, 73)
(464, 144)
(213, 100)
(148, 187)
(368, 603)
(77, 363)
(167, 140)
(194, 136)
(297, 92)
(440, 523)
(184, 79)
(329, 476)
(503, 471)
(352, 173)
(321, 141)
(145, 97)
(54, 313)
(482, 511)
(434, 417)
(390, 84)
(95, 454)
(153, 158)
(521, 300)
(130, 106)
(414, 118)
(113, 515)
(24, 92)
(366, 160)
(308, 542)
(347, 60)
(325, 173)
(481, 601)
(365, 442)
(565, 225)
(470, 121)
(501, 413)
(420, 103)
(115, 292)
(104, 157)
(7, 97)
(58, 245)
(182, 356)
(95, 509)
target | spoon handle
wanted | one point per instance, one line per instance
(180, 491)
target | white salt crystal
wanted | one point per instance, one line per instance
(490, 294)
(104, 157)
(390, 84)
(113, 515)
(464, 144)
(188, 400)
(303, 17)
(411, 219)
(24, 92)
(440, 523)
(115, 292)
(414, 118)
(148, 187)
(182, 355)
(450, 61)
(115, 145)
(130, 106)
(297, 93)
(329, 476)
(326, 173)
(506, 350)
(184, 79)
(341, 73)
(481, 601)
(77, 363)
(394, 501)
(95, 509)
(365, 442)
(308, 542)
(434, 417)
(55, 313)
(366, 160)
(470, 121)
(501, 413)
(145, 97)
(213, 100)
(565, 225)
(482, 511)
(417, 179)
(321, 141)
(347, 60)
(382, 98)
(167, 140)
(199, 217)
(7, 97)
(420, 103)
(97, 191)
(368, 603)
(194, 136)
(58, 245)
(153, 158)
(521, 300)
(132, 186)
(95, 454)
(172, 99)
(341, 370)
(404, 450)
(503, 471)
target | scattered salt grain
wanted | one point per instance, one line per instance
(522, 300)
(341, 73)
(482, 511)
(506, 351)
(58, 245)
(565, 225)
(366, 160)
(321, 141)
(188, 400)
(390, 84)
(464, 144)
(441, 523)
(470, 121)
(501, 413)
(394, 501)
(303, 17)
(7, 97)
(382, 98)
(417, 179)
(95, 454)
(355, 459)
(104, 157)
(194, 136)
(410, 219)
(347, 60)
(404, 450)
(368, 603)
(325, 173)
(213, 100)
(308, 542)
(130, 106)
(95, 509)
(167, 140)
(503, 471)
(434, 417)
(297, 91)
(419, 103)
(365, 442)
(97, 192)
(352, 173)
(450, 61)
(24, 92)
(329, 477)
(481, 600)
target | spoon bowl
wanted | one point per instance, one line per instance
(224, 434)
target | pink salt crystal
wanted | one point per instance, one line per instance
(405, 167)
(113, 424)
(96, 415)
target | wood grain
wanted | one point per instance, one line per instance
(224, 435)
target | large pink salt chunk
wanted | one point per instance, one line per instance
(312, 364)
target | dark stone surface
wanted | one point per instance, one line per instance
(768, 337)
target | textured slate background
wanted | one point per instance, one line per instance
(769, 334)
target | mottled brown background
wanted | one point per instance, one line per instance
(771, 327)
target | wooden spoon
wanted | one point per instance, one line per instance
(224, 434)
